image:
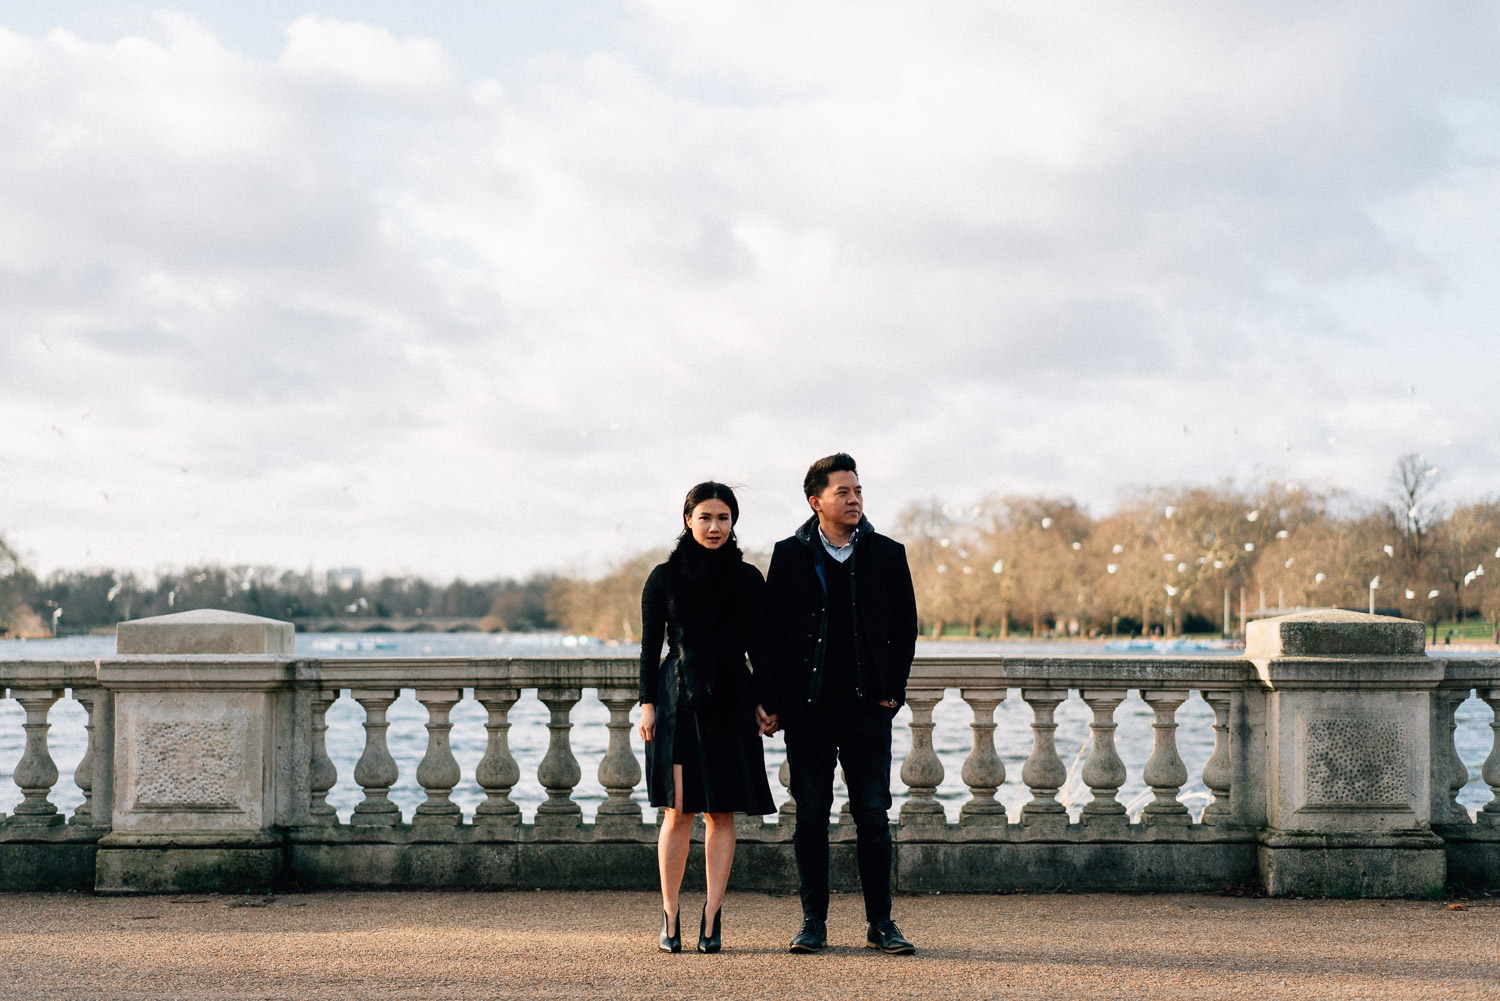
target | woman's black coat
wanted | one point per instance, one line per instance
(704, 694)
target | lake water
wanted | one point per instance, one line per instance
(528, 736)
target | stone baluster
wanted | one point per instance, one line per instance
(1218, 772)
(786, 815)
(1490, 815)
(1165, 773)
(922, 771)
(376, 770)
(36, 772)
(1103, 772)
(559, 772)
(438, 771)
(983, 771)
(843, 822)
(83, 775)
(322, 774)
(619, 771)
(1043, 773)
(498, 771)
(1458, 772)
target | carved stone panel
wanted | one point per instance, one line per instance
(191, 761)
(189, 764)
(1356, 763)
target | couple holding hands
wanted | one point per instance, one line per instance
(830, 633)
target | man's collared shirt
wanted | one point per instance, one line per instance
(839, 553)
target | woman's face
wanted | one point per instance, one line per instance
(710, 523)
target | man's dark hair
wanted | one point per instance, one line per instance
(816, 480)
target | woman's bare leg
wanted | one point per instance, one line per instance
(672, 843)
(718, 856)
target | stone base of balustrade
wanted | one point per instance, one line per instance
(237, 862)
(48, 858)
(1473, 855)
(1398, 864)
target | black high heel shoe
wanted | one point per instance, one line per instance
(709, 941)
(671, 938)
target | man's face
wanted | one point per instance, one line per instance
(841, 502)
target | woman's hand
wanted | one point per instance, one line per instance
(647, 729)
(765, 722)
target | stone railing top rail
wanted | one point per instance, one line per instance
(619, 669)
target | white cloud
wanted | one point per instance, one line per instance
(386, 311)
(366, 57)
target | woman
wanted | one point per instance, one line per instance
(698, 709)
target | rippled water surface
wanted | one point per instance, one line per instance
(407, 737)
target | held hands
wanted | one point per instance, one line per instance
(647, 729)
(765, 722)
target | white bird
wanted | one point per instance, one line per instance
(1389, 551)
(1182, 568)
(1046, 522)
(1218, 564)
(1410, 594)
(945, 543)
(1433, 593)
(968, 569)
(1120, 549)
(1077, 545)
(1169, 510)
(1252, 515)
(1249, 547)
(1479, 570)
(1375, 583)
(999, 567)
(1319, 578)
(1289, 562)
(942, 568)
(1112, 568)
(1168, 557)
(1468, 578)
(1282, 534)
(1171, 591)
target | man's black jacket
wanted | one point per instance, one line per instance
(884, 613)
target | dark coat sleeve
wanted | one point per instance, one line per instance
(773, 615)
(902, 624)
(653, 630)
(757, 642)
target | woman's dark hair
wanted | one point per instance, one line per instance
(816, 480)
(710, 490)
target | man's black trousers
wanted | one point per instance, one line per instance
(858, 737)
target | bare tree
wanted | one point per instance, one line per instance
(1413, 483)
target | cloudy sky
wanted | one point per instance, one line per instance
(482, 288)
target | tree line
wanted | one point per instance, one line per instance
(77, 601)
(1163, 562)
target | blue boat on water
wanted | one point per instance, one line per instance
(1174, 646)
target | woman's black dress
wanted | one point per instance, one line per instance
(707, 605)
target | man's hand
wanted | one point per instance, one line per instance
(889, 703)
(765, 721)
(647, 729)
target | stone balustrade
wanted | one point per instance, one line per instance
(1333, 771)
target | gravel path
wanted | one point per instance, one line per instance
(602, 945)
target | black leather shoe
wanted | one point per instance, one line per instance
(813, 936)
(885, 936)
(709, 941)
(671, 937)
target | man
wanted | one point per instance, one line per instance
(843, 629)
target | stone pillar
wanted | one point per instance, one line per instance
(201, 708)
(1349, 755)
